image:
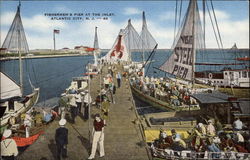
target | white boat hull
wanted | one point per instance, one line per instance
(20, 108)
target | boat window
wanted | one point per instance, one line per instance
(221, 81)
(244, 74)
(239, 74)
(218, 82)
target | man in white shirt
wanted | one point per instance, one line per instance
(27, 124)
(8, 146)
(78, 97)
(87, 100)
(73, 108)
(238, 124)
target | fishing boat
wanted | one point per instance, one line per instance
(182, 64)
(13, 101)
(239, 58)
(227, 77)
(212, 104)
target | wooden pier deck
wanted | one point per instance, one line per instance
(123, 138)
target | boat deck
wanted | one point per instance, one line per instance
(123, 137)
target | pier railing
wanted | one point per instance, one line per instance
(192, 155)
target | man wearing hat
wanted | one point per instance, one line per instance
(61, 138)
(87, 101)
(73, 108)
(98, 137)
(27, 124)
(8, 146)
(174, 134)
(78, 97)
(62, 105)
(105, 109)
(162, 136)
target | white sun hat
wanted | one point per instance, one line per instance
(62, 122)
(209, 121)
(7, 133)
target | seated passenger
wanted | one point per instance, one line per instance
(212, 148)
(201, 129)
(237, 125)
(48, 117)
(218, 126)
(162, 136)
(210, 129)
(239, 139)
(227, 144)
(179, 144)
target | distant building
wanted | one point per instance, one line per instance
(84, 49)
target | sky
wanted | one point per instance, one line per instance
(232, 17)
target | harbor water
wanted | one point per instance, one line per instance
(53, 75)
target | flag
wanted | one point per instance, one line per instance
(56, 31)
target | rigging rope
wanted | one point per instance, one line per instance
(216, 24)
(153, 51)
(179, 23)
(59, 75)
(213, 26)
(175, 17)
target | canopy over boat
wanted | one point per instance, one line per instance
(9, 88)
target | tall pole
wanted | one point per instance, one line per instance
(54, 39)
(89, 102)
(143, 52)
(129, 24)
(20, 55)
(194, 45)
(204, 23)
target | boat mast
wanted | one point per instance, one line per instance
(129, 53)
(204, 22)
(143, 51)
(19, 52)
(194, 42)
(143, 26)
(96, 46)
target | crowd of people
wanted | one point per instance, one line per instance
(25, 122)
(204, 138)
(165, 90)
(77, 102)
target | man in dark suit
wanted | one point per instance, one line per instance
(61, 138)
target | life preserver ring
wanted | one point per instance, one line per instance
(210, 75)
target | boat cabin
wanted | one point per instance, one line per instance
(217, 104)
(226, 78)
(237, 77)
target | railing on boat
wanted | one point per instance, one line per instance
(189, 154)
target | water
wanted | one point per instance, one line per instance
(53, 75)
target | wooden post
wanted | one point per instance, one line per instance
(54, 39)
(228, 114)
